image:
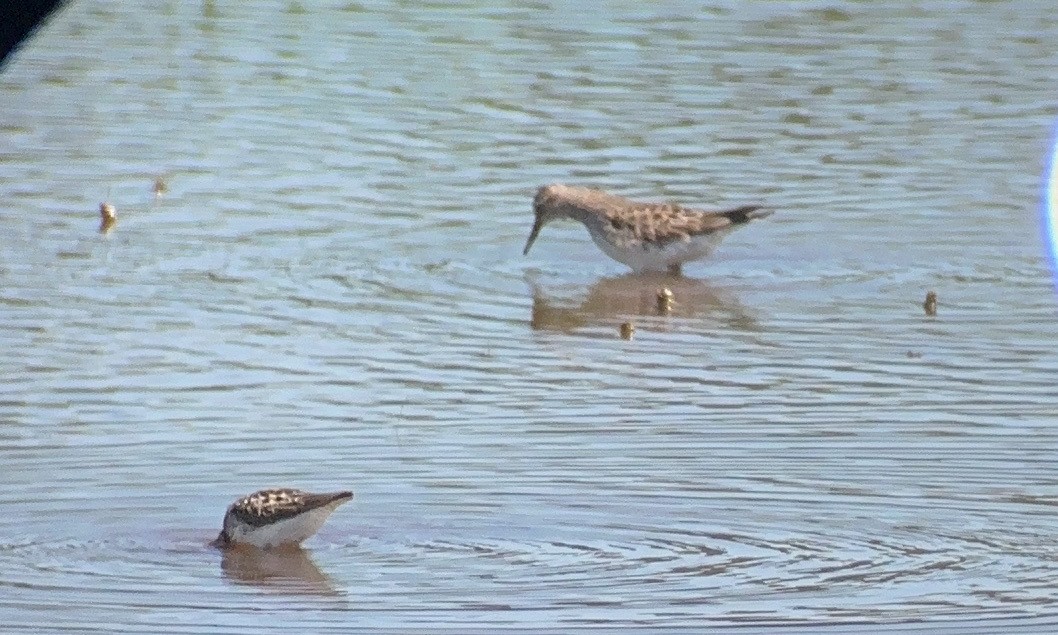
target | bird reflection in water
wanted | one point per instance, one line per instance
(609, 300)
(287, 569)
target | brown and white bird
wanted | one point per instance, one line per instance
(644, 236)
(277, 517)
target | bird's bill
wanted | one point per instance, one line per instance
(532, 236)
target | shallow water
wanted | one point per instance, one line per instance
(331, 294)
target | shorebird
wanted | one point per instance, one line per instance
(277, 517)
(644, 236)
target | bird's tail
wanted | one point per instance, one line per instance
(746, 213)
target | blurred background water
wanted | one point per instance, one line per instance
(331, 294)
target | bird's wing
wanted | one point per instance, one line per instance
(268, 506)
(663, 223)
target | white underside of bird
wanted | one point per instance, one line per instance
(289, 531)
(651, 257)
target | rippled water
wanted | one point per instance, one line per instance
(331, 293)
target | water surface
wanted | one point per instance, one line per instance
(332, 294)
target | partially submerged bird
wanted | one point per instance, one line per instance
(644, 236)
(277, 517)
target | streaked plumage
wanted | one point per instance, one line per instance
(274, 517)
(644, 236)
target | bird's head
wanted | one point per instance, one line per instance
(547, 206)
